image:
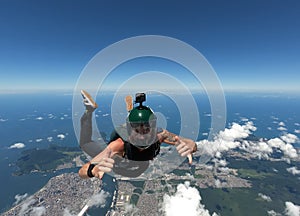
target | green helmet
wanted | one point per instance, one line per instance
(141, 126)
(141, 114)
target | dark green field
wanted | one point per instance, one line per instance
(44, 160)
(268, 178)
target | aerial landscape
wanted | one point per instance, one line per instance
(224, 74)
(245, 170)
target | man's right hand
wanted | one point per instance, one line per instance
(105, 165)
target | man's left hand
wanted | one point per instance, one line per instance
(185, 148)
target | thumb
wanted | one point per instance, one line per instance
(108, 153)
(189, 156)
(101, 174)
(176, 140)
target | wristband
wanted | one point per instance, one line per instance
(89, 171)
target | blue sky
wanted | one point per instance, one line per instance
(252, 45)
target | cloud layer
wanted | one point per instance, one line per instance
(186, 201)
(238, 137)
(17, 146)
(291, 209)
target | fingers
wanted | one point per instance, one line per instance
(190, 158)
(105, 165)
(184, 149)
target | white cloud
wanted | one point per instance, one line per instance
(98, 199)
(290, 151)
(234, 137)
(293, 170)
(273, 213)
(281, 124)
(3, 120)
(61, 136)
(244, 119)
(222, 162)
(219, 162)
(39, 118)
(289, 138)
(50, 139)
(39, 140)
(281, 129)
(20, 198)
(297, 131)
(130, 209)
(51, 116)
(276, 143)
(226, 139)
(237, 131)
(291, 209)
(186, 201)
(38, 211)
(260, 149)
(25, 206)
(265, 197)
(17, 145)
(27, 209)
(287, 149)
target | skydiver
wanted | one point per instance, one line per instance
(137, 145)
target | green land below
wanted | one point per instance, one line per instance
(270, 178)
(267, 177)
(45, 160)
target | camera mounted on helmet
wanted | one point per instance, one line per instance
(140, 98)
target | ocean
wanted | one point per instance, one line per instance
(39, 120)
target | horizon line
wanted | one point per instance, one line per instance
(194, 91)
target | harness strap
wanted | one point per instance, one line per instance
(134, 153)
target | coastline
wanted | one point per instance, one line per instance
(65, 190)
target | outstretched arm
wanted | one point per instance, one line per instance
(103, 162)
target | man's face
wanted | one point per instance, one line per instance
(142, 134)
